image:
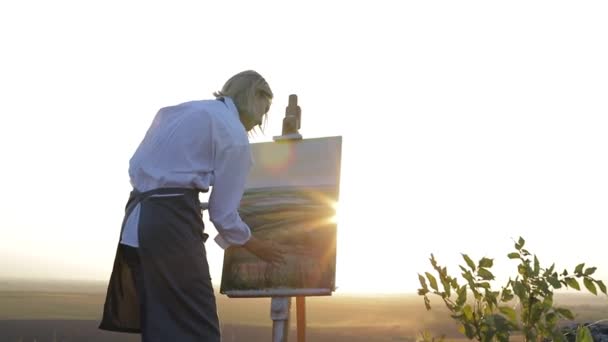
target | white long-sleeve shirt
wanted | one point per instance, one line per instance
(198, 144)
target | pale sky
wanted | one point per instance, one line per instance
(465, 124)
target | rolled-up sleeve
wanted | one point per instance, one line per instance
(232, 165)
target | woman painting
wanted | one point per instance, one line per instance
(160, 284)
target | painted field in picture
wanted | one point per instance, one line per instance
(290, 199)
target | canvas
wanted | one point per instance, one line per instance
(290, 198)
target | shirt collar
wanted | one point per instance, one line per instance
(231, 106)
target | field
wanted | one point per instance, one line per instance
(69, 312)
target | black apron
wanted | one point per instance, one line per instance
(163, 288)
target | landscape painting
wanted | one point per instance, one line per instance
(290, 199)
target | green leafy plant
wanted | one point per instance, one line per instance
(583, 334)
(524, 304)
(426, 336)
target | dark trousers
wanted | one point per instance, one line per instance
(163, 288)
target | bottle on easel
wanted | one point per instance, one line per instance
(292, 121)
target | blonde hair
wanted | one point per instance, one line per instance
(242, 88)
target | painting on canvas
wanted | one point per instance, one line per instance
(290, 198)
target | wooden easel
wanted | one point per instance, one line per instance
(301, 318)
(280, 306)
(279, 313)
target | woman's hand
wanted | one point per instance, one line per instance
(265, 250)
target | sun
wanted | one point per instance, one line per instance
(336, 218)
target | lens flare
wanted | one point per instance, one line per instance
(276, 160)
(336, 218)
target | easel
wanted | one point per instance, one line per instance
(280, 303)
(279, 313)
(280, 306)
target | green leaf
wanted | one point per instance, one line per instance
(556, 336)
(489, 320)
(536, 266)
(583, 334)
(579, 268)
(502, 325)
(554, 282)
(422, 292)
(520, 243)
(522, 269)
(551, 318)
(433, 261)
(427, 303)
(468, 276)
(535, 312)
(488, 309)
(565, 313)
(484, 285)
(486, 262)
(470, 262)
(490, 298)
(462, 296)
(590, 286)
(469, 331)
(590, 271)
(520, 290)
(573, 283)
(601, 285)
(485, 274)
(446, 285)
(468, 312)
(542, 286)
(461, 329)
(506, 295)
(514, 255)
(432, 281)
(422, 282)
(509, 312)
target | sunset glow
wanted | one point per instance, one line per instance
(465, 124)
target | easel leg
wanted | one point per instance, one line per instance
(301, 318)
(279, 312)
